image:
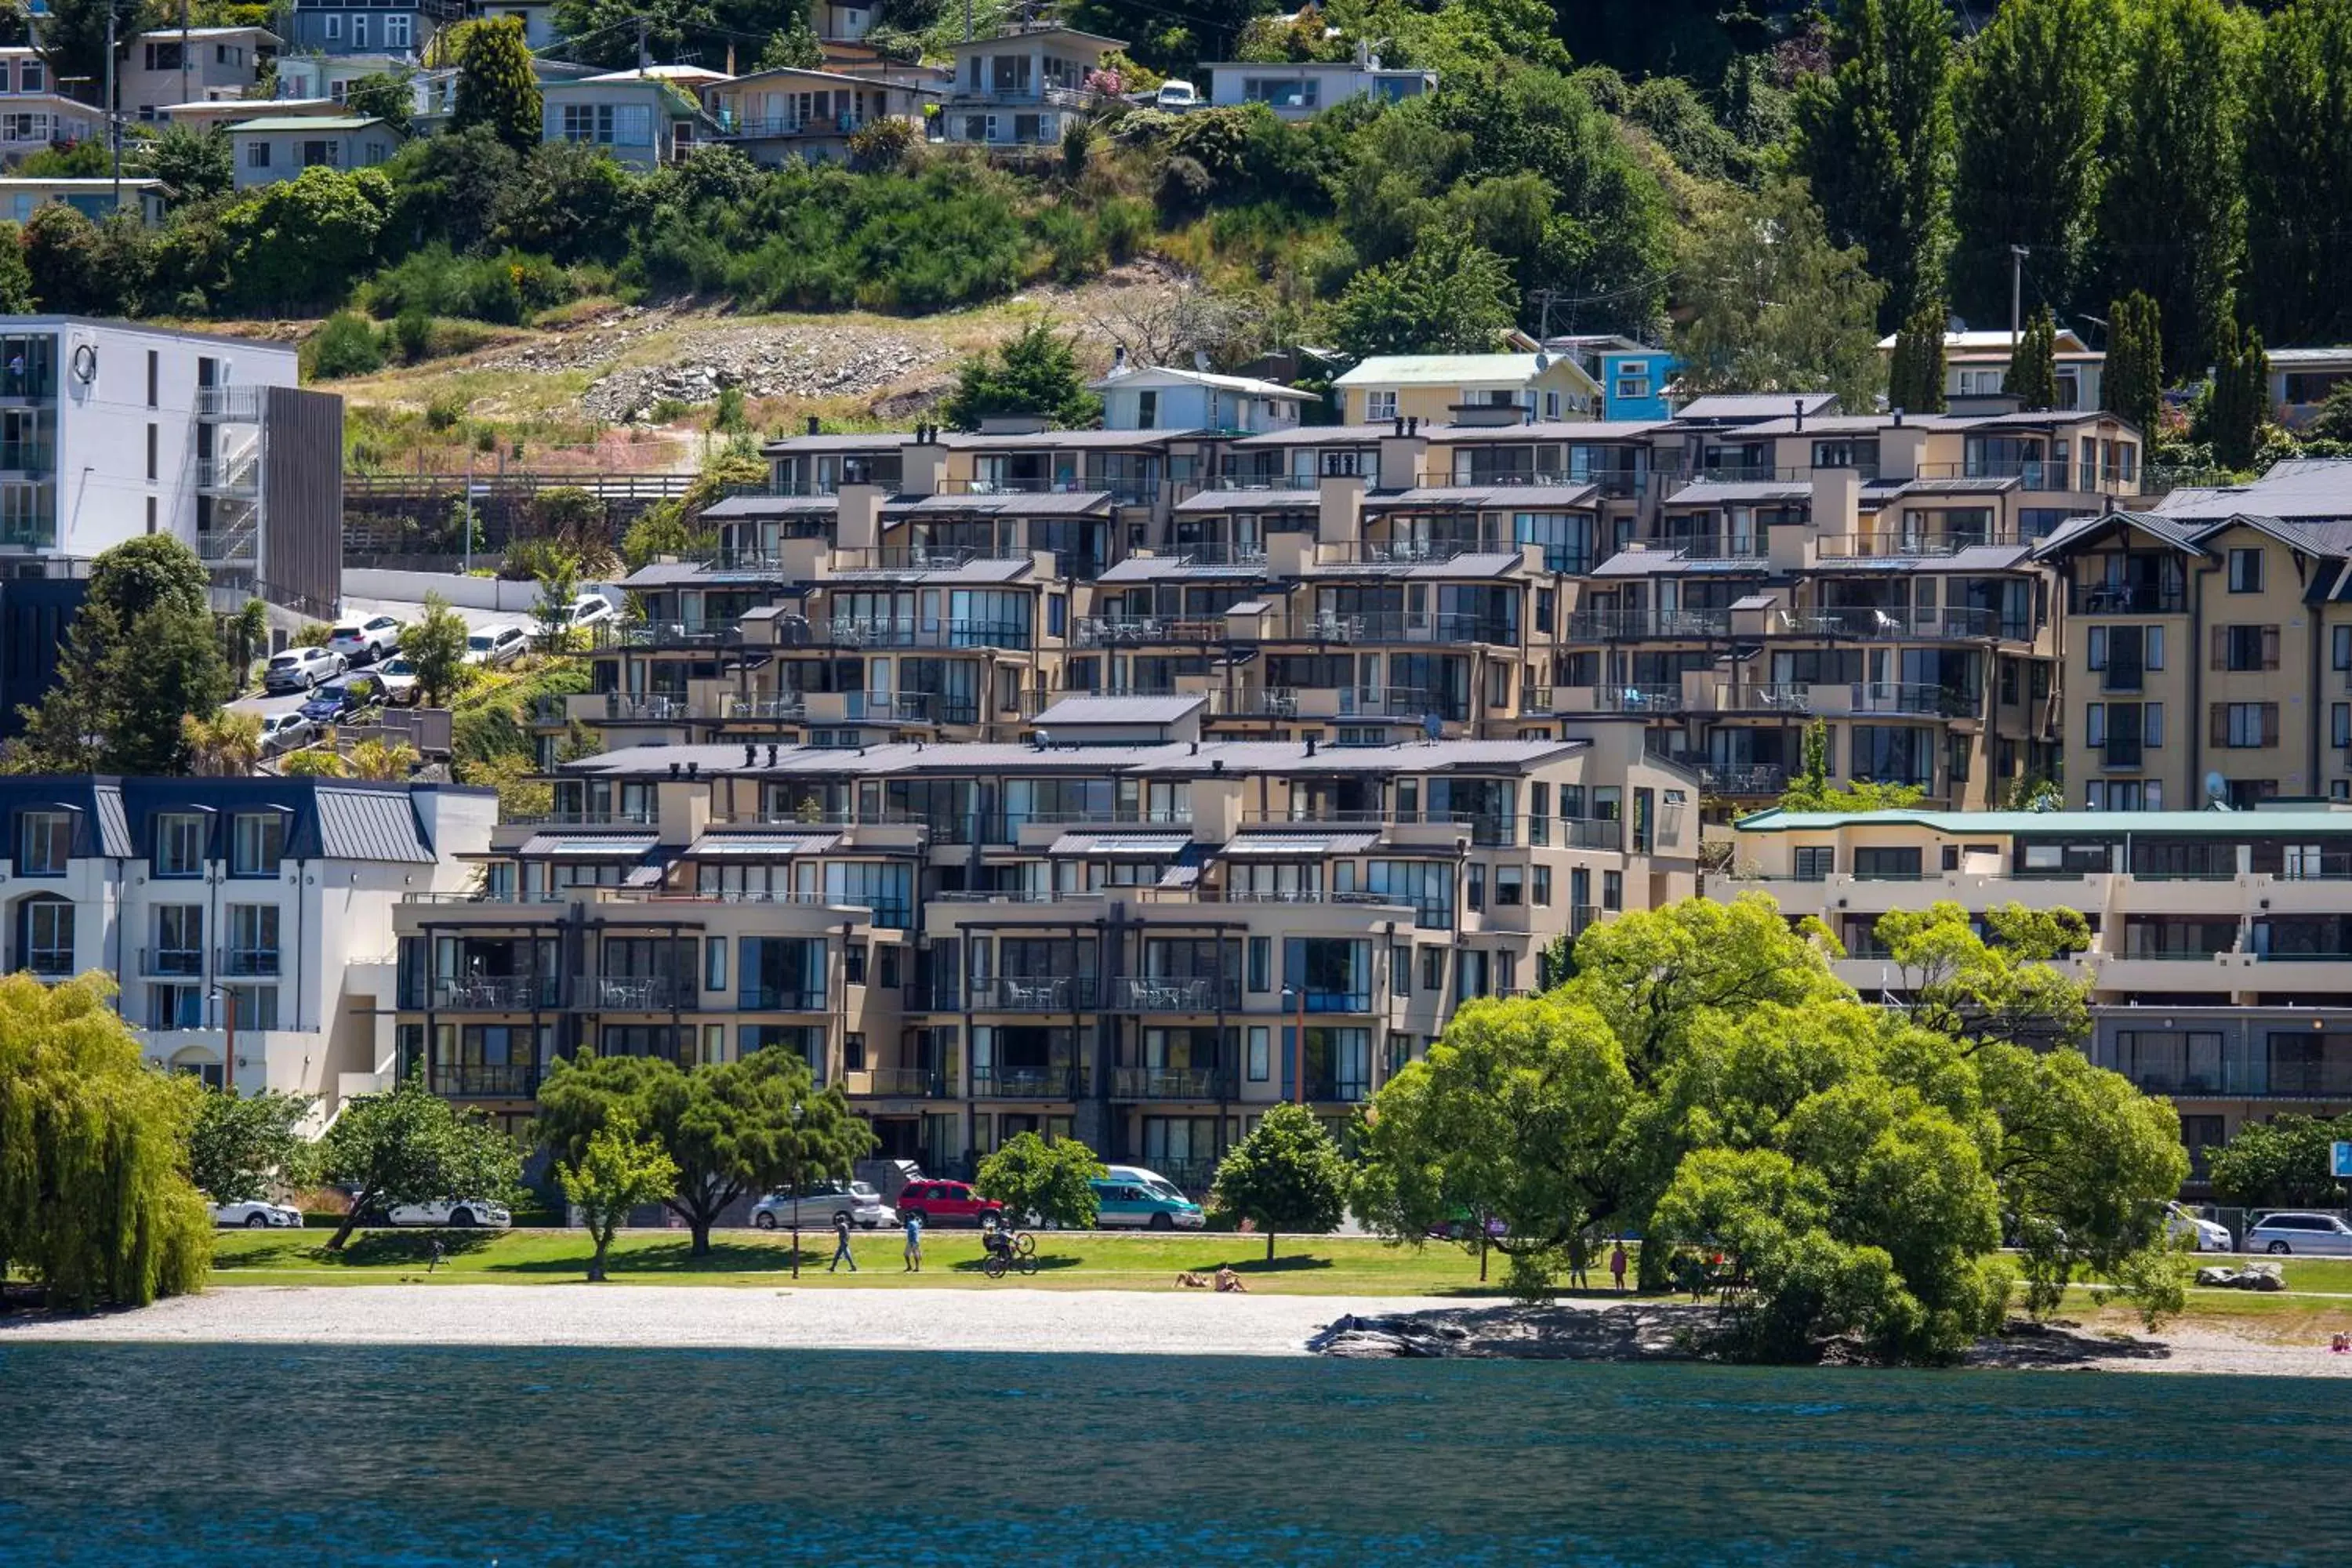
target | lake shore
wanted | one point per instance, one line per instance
(1015, 1320)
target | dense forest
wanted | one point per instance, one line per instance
(1770, 186)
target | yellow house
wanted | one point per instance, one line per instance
(1440, 388)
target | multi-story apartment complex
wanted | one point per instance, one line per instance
(248, 922)
(1712, 582)
(1115, 929)
(2208, 646)
(2220, 956)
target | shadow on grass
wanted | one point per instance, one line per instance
(1046, 1261)
(671, 1258)
(366, 1249)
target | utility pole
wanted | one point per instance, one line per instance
(184, 51)
(644, 59)
(2017, 255)
(113, 129)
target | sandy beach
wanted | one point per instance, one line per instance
(1013, 1320)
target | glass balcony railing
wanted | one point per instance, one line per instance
(1060, 1082)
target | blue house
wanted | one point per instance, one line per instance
(368, 27)
(1633, 377)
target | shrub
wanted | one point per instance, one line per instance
(414, 333)
(345, 345)
(508, 287)
(442, 413)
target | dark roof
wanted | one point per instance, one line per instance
(773, 506)
(370, 825)
(1502, 497)
(1022, 503)
(1737, 492)
(1734, 405)
(330, 819)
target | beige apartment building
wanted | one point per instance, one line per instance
(2220, 955)
(1114, 930)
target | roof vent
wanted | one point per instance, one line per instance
(673, 770)
(771, 753)
(1310, 745)
(1800, 415)
(750, 755)
(1217, 765)
(1400, 425)
(813, 424)
(692, 769)
(1196, 749)
(1898, 418)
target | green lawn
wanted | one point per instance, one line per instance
(1315, 1266)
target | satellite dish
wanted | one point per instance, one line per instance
(1433, 729)
(2216, 789)
(85, 363)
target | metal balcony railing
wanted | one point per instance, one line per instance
(244, 961)
(780, 999)
(1056, 1082)
(1116, 631)
(911, 631)
(1169, 1083)
(912, 1083)
(1163, 993)
(2126, 599)
(1753, 778)
(505, 993)
(27, 456)
(1597, 624)
(482, 1080)
(631, 993)
(237, 405)
(594, 816)
(1912, 697)
(172, 960)
(1033, 994)
(791, 706)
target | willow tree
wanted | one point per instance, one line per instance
(95, 1206)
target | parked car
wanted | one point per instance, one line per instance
(300, 668)
(1176, 97)
(496, 646)
(2304, 1233)
(1139, 1176)
(2204, 1235)
(1458, 1225)
(365, 641)
(284, 732)
(255, 1214)
(1121, 1205)
(457, 1212)
(400, 684)
(946, 1202)
(339, 700)
(823, 1203)
(591, 609)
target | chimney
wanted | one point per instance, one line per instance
(1118, 359)
(1801, 416)
(1310, 745)
(750, 755)
(1898, 419)
(771, 753)
(673, 770)
(812, 424)
(1400, 425)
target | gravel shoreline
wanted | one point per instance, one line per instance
(1010, 1321)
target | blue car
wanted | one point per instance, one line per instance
(339, 700)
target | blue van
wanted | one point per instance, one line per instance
(1132, 1205)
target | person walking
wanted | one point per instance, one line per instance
(1580, 1254)
(914, 1244)
(841, 1253)
(1617, 1265)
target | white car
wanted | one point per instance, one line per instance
(1150, 1181)
(458, 1212)
(365, 641)
(255, 1214)
(400, 685)
(300, 668)
(2204, 1235)
(1176, 97)
(591, 609)
(2320, 1234)
(822, 1202)
(496, 646)
(284, 733)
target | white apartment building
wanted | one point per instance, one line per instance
(248, 921)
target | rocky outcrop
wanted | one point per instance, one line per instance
(2252, 1277)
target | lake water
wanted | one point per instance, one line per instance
(247, 1455)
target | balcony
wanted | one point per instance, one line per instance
(1914, 697)
(1872, 622)
(1212, 553)
(620, 708)
(631, 993)
(2127, 599)
(1033, 994)
(1123, 631)
(27, 458)
(1321, 1001)
(1325, 1089)
(237, 476)
(1909, 544)
(482, 1080)
(504, 993)
(241, 542)
(1166, 993)
(1268, 702)
(789, 708)
(247, 961)
(607, 635)
(1639, 697)
(1390, 626)
(750, 129)
(780, 999)
(906, 1083)
(1059, 1082)
(231, 404)
(1745, 779)
(2121, 754)
(170, 961)
(2032, 473)
(1597, 626)
(1170, 1083)
(596, 816)
(913, 631)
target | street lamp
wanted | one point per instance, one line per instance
(227, 997)
(796, 1189)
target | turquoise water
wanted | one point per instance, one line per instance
(248, 1455)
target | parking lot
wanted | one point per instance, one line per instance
(363, 609)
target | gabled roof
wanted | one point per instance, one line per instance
(2300, 489)
(1161, 374)
(1116, 709)
(308, 122)
(1749, 405)
(1455, 370)
(1017, 37)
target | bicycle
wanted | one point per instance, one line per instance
(1016, 1251)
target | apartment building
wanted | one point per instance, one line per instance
(2208, 648)
(246, 921)
(1114, 930)
(2220, 956)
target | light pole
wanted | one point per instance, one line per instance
(228, 1052)
(796, 1189)
(1298, 1044)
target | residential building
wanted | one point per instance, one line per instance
(1157, 397)
(94, 198)
(2220, 957)
(537, 17)
(35, 116)
(1635, 381)
(1022, 88)
(224, 113)
(1113, 931)
(1975, 368)
(397, 27)
(109, 430)
(2209, 644)
(843, 24)
(261, 907)
(1436, 388)
(772, 115)
(643, 118)
(1300, 90)
(2301, 379)
(275, 147)
(173, 65)
(304, 78)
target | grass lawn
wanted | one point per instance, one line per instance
(1306, 1266)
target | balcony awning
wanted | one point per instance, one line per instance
(761, 845)
(587, 846)
(1121, 845)
(1186, 870)
(1253, 845)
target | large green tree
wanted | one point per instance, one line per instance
(2236, 404)
(496, 84)
(142, 652)
(1915, 376)
(389, 96)
(733, 1128)
(2033, 377)
(195, 163)
(2030, 102)
(1052, 1179)
(2298, 175)
(2132, 378)
(1448, 296)
(1034, 372)
(2286, 1161)
(618, 1170)
(241, 1143)
(411, 1146)
(1771, 305)
(2172, 212)
(1874, 142)
(1288, 1175)
(94, 1202)
(434, 646)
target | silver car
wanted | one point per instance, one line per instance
(820, 1203)
(2313, 1234)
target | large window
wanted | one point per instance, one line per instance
(2246, 647)
(252, 939)
(885, 887)
(179, 940)
(2245, 725)
(2245, 571)
(43, 843)
(49, 937)
(259, 844)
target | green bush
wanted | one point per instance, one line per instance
(442, 413)
(508, 287)
(345, 345)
